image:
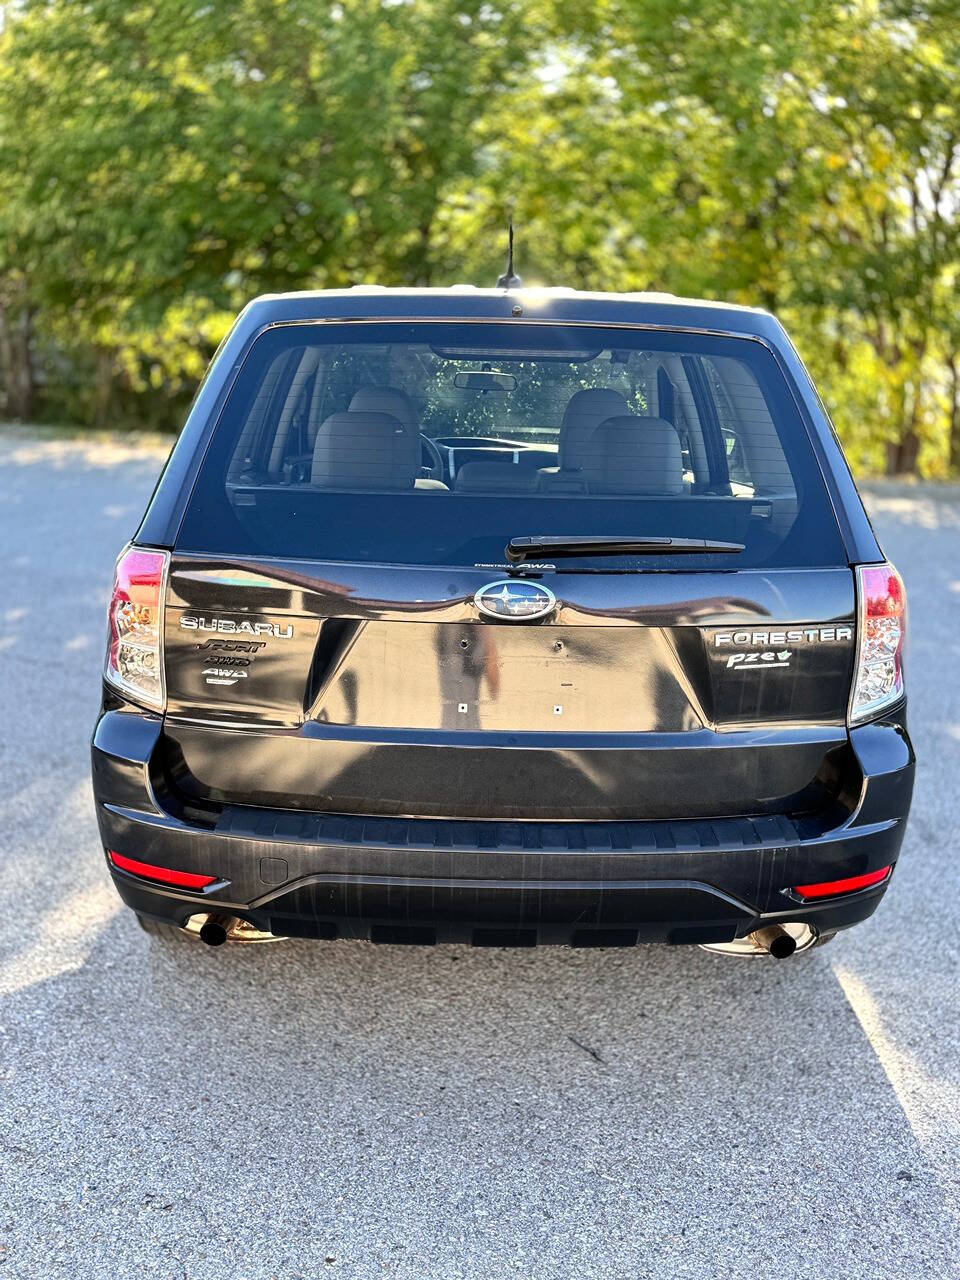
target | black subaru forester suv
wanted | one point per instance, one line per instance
(504, 617)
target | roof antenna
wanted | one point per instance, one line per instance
(508, 280)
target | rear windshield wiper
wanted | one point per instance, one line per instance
(520, 549)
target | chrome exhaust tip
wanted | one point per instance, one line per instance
(778, 940)
(775, 940)
(215, 928)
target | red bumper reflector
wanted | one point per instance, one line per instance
(182, 879)
(831, 888)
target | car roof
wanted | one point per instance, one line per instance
(466, 302)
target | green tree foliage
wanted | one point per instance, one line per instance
(173, 158)
(803, 157)
(161, 162)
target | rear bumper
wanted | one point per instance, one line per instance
(424, 880)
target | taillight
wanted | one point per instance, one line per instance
(834, 888)
(135, 645)
(163, 875)
(882, 622)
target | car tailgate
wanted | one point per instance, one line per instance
(382, 689)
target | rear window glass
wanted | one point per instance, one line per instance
(435, 443)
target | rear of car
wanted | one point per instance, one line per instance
(505, 618)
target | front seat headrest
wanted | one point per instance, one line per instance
(583, 414)
(628, 454)
(386, 400)
(364, 451)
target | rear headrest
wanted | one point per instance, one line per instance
(583, 414)
(495, 477)
(364, 451)
(386, 400)
(627, 454)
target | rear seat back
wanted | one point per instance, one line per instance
(364, 451)
(630, 454)
(585, 411)
(583, 414)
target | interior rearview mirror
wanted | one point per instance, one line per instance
(484, 380)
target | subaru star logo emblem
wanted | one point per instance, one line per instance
(515, 600)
